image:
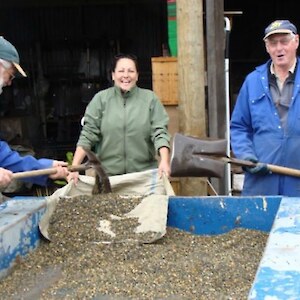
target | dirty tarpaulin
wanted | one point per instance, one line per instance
(151, 211)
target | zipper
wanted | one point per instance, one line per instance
(124, 134)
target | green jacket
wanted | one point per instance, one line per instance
(126, 131)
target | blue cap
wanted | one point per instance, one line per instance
(9, 53)
(280, 26)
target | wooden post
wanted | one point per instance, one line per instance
(215, 45)
(191, 81)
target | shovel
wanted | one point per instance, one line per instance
(50, 171)
(102, 183)
(193, 157)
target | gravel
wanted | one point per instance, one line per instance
(181, 265)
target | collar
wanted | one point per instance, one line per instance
(291, 69)
(125, 94)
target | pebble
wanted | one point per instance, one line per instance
(181, 265)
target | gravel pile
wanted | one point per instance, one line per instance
(178, 266)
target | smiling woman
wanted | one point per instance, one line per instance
(125, 125)
(125, 71)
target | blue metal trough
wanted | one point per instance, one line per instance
(277, 277)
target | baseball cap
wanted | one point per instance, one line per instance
(9, 53)
(280, 26)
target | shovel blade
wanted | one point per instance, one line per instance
(190, 157)
(102, 183)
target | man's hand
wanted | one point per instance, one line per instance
(5, 177)
(260, 168)
(62, 170)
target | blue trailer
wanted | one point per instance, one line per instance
(277, 277)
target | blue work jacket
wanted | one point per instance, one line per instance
(256, 131)
(12, 161)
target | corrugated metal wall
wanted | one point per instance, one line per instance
(247, 48)
(139, 28)
(64, 48)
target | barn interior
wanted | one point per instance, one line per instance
(66, 48)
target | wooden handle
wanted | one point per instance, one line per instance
(48, 171)
(284, 170)
(273, 168)
(34, 173)
(238, 162)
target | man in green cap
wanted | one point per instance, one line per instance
(9, 63)
(11, 161)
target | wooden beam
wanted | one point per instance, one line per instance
(215, 49)
(191, 80)
(215, 40)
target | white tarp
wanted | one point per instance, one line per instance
(151, 212)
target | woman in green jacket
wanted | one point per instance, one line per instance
(126, 126)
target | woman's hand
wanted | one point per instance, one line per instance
(73, 176)
(164, 165)
(77, 159)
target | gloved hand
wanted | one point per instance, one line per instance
(260, 168)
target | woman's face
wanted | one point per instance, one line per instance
(125, 74)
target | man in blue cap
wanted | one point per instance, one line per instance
(265, 123)
(11, 161)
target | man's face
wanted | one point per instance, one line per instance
(282, 48)
(6, 76)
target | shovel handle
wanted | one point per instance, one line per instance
(284, 170)
(34, 173)
(48, 171)
(273, 168)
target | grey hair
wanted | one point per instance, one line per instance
(6, 64)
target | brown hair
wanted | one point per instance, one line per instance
(122, 55)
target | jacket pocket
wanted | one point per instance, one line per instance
(264, 115)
